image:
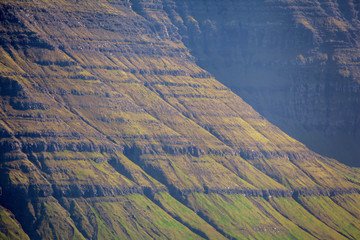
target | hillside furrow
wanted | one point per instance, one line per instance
(110, 130)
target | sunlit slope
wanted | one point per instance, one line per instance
(9, 227)
(109, 130)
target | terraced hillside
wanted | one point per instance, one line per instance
(296, 62)
(109, 130)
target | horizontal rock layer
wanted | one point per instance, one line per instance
(295, 62)
(110, 130)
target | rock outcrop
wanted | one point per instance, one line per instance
(110, 130)
(295, 62)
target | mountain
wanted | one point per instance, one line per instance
(110, 130)
(295, 62)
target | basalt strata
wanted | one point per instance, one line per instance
(110, 130)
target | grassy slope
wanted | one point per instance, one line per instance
(85, 101)
(9, 227)
(130, 217)
(333, 215)
(301, 217)
(241, 218)
(350, 202)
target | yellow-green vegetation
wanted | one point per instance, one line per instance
(55, 222)
(130, 217)
(332, 215)
(9, 227)
(304, 219)
(85, 172)
(186, 216)
(292, 230)
(24, 172)
(349, 202)
(109, 130)
(244, 218)
(186, 172)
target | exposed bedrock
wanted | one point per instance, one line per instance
(295, 62)
(110, 130)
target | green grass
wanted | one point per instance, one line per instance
(55, 222)
(244, 218)
(332, 215)
(350, 202)
(301, 217)
(10, 229)
(186, 215)
(133, 217)
(89, 120)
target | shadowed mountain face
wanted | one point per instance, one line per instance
(109, 130)
(295, 62)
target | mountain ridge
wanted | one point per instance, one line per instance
(110, 130)
(295, 62)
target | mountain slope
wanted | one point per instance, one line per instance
(109, 130)
(295, 62)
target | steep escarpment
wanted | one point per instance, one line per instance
(295, 62)
(110, 130)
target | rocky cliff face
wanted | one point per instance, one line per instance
(296, 62)
(110, 130)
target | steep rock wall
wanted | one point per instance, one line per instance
(295, 62)
(110, 130)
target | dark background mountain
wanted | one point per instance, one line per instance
(110, 130)
(295, 62)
